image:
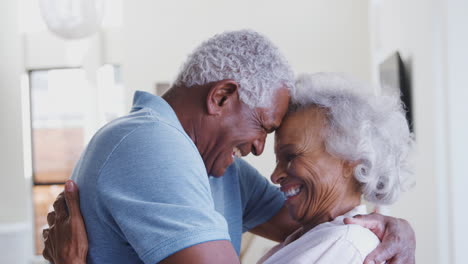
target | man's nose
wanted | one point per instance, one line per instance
(258, 146)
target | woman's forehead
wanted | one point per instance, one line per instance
(301, 126)
(306, 119)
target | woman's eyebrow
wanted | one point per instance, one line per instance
(285, 147)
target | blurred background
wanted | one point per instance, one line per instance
(69, 66)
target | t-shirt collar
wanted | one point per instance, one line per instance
(158, 105)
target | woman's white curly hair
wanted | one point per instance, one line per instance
(244, 56)
(369, 129)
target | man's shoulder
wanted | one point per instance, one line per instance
(113, 132)
(145, 124)
(140, 137)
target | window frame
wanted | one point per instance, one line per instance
(33, 161)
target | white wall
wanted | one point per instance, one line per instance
(15, 214)
(11, 155)
(457, 110)
(432, 38)
(314, 35)
(26, 44)
(407, 26)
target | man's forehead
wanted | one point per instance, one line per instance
(273, 116)
(280, 104)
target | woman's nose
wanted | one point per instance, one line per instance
(278, 175)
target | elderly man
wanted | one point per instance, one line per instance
(145, 191)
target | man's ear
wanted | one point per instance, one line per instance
(221, 94)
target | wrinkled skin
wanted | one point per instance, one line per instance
(217, 121)
(328, 188)
(66, 240)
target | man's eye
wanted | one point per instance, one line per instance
(268, 130)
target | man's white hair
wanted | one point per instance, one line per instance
(244, 56)
(369, 129)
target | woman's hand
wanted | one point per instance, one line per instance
(398, 242)
(66, 240)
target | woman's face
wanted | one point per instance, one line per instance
(315, 183)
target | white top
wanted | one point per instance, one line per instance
(330, 242)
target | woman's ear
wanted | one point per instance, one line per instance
(221, 94)
(348, 168)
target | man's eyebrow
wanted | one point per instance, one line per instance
(269, 129)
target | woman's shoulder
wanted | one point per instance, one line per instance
(345, 241)
(328, 243)
(341, 242)
(358, 237)
(361, 238)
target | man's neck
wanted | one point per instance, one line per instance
(188, 105)
(182, 107)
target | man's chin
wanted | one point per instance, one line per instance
(217, 172)
(218, 169)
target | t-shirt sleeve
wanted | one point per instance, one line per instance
(261, 200)
(155, 193)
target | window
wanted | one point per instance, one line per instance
(66, 110)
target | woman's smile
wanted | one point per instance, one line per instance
(291, 191)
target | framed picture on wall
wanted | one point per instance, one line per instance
(395, 81)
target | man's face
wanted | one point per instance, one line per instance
(241, 131)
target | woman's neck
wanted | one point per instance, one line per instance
(345, 205)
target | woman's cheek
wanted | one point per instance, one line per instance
(321, 186)
(308, 202)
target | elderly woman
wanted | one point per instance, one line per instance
(333, 147)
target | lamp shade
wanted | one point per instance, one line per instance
(73, 19)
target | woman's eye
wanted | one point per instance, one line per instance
(290, 157)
